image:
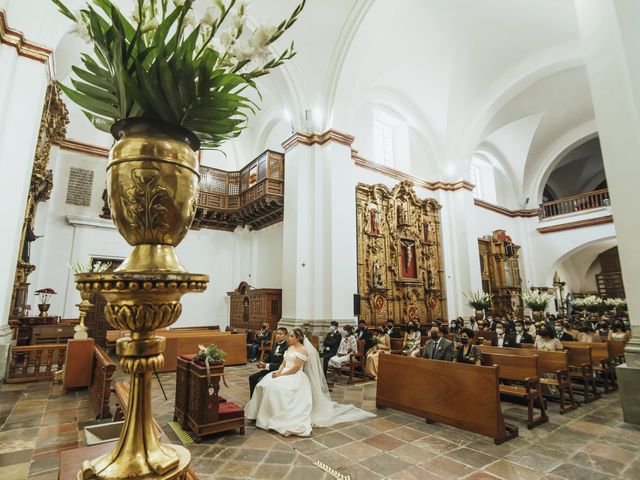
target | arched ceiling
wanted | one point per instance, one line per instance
(458, 71)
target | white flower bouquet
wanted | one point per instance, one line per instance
(536, 300)
(590, 303)
(478, 300)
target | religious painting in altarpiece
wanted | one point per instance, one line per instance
(400, 261)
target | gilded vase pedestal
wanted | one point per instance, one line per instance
(152, 186)
(85, 307)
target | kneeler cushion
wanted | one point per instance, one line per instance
(229, 410)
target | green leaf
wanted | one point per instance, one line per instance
(154, 94)
(168, 85)
(89, 103)
(64, 10)
(92, 78)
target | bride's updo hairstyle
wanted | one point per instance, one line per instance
(296, 332)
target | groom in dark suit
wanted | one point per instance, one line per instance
(276, 356)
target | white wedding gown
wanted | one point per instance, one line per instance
(292, 404)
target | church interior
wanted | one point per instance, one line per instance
(447, 179)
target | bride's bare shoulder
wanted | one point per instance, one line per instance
(303, 351)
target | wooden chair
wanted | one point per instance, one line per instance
(523, 370)
(556, 363)
(396, 345)
(581, 368)
(266, 346)
(617, 351)
(358, 363)
(603, 365)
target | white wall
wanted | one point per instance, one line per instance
(73, 233)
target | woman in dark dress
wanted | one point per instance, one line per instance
(465, 352)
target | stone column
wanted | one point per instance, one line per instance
(319, 271)
(460, 250)
(611, 42)
(23, 85)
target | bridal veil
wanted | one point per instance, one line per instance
(325, 412)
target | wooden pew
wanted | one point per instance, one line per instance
(524, 370)
(464, 396)
(617, 351)
(581, 367)
(556, 363)
(48, 334)
(484, 337)
(100, 387)
(357, 363)
(603, 365)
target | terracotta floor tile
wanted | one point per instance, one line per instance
(447, 468)
(384, 442)
(358, 451)
(509, 470)
(608, 451)
(407, 434)
(385, 464)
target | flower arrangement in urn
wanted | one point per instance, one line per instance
(616, 304)
(479, 301)
(45, 295)
(590, 303)
(536, 300)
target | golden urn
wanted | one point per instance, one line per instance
(152, 183)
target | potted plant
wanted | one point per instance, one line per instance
(165, 85)
(45, 295)
(615, 304)
(537, 301)
(210, 354)
(479, 301)
(85, 305)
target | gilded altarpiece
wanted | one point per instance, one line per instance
(53, 128)
(500, 272)
(400, 262)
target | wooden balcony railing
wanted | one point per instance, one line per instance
(33, 363)
(576, 203)
(252, 196)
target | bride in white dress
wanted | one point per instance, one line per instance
(296, 398)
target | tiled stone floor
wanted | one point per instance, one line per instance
(38, 420)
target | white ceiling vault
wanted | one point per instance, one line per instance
(466, 76)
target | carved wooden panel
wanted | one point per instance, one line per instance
(400, 261)
(500, 272)
(251, 307)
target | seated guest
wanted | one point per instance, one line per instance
(364, 334)
(603, 330)
(382, 344)
(443, 328)
(263, 336)
(465, 352)
(586, 334)
(502, 338)
(392, 330)
(530, 327)
(454, 327)
(566, 335)
(330, 344)
(473, 325)
(546, 340)
(489, 323)
(411, 345)
(522, 336)
(438, 347)
(348, 345)
(274, 360)
(619, 332)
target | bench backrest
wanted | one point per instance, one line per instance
(617, 347)
(548, 362)
(464, 396)
(100, 387)
(578, 354)
(599, 350)
(513, 367)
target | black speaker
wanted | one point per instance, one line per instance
(356, 305)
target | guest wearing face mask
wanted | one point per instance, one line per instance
(465, 352)
(619, 332)
(502, 338)
(586, 334)
(438, 347)
(392, 330)
(473, 325)
(546, 340)
(330, 344)
(603, 330)
(411, 345)
(530, 327)
(454, 327)
(348, 345)
(364, 334)
(382, 346)
(565, 332)
(522, 335)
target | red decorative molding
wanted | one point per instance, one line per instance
(317, 139)
(397, 174)
(24, 47)
(75, 146)
(505, 211)
(578, 224)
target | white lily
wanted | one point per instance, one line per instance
(260, 38)
(210, 17)
(190, 20)
(149, 25)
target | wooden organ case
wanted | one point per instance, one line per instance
(251, 307)
(400, 266)
(500, 272)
